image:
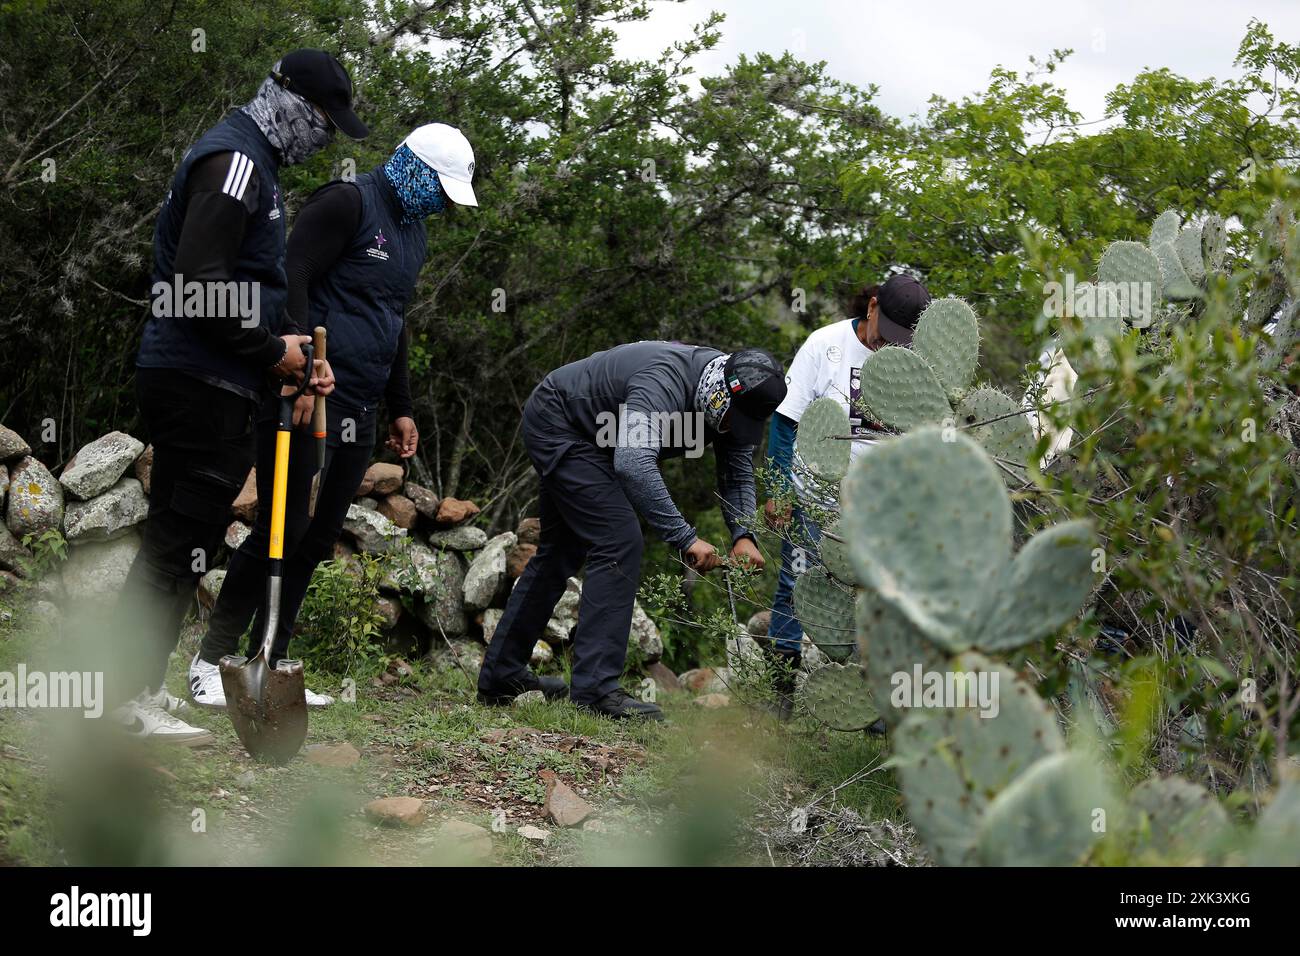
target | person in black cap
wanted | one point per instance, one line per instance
(596, 431)
(829, 363)
(206, 360)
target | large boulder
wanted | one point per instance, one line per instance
(400, 510)
(98, 569)
(35, 499)
(210, 588)
(439, 578)
(425, 501)
(565, 616)
(97, 466)
(143, 467)
(372, 532)
(12, 445)
(4, 484)
(107, 516)
(384, 478)
(646, 635)
(13, 556)
(486, 578)
(454, 511)
(529, 531)
(244, 507)
(518, 558)
(464, 538)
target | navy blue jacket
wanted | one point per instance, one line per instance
(171, 341)
(362, 299)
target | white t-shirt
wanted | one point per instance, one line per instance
(828, 364)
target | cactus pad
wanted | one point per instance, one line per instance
(1276, 838)
(821, 440)
(1132, 267)
(1010, 438)
(837, 695)
(1214, 242)
(1042, 588)
(953, 762)
(1165, 228)
(1188, 246)
(835, 556)
(1174, 279)
(1180, 821)
(929, 526)
(948, 338)
(825, 612)
(1046, 816)
(901, 390)
(889, 644)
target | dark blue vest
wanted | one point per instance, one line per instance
(170, 341)
(362, 299)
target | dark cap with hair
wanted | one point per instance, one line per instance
(756, 384)
(899, 303)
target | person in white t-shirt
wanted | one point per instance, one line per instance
(829, 363)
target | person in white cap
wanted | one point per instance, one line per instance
(353, 259)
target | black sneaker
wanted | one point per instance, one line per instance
(552, 688)
(618, 704)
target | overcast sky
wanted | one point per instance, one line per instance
(912, 49)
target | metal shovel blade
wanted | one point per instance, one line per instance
(268, 706)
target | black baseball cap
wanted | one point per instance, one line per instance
(899, 303)
(756, 385)
(318, 77)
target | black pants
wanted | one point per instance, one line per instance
(585, 516)
(307, 541)
(202, 439)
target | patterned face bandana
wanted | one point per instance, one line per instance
(291, 123)
(711, 395)
(417, 185)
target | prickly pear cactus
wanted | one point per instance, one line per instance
(1178, 821)
(1165, 228)
(834, 551)
(997, 422)
(1050, 815)
(929, 526)
(1130, 265)
(824, 608)
(837, 695)
(1275, 840)
(947, 336)
(1188, 246)
(901, 390)
(1214, 242)
(889, 644)
(953, 762)
(821, 441)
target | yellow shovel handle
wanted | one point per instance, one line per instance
(279, 494)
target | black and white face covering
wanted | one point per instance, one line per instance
(711, 396)
(291, 123)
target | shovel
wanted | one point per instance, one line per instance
(269, 706)
(318, 427)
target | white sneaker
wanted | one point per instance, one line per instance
(167, 702)
(205, 684)
(145, 719)
(317, 700)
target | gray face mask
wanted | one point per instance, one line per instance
(291, 123)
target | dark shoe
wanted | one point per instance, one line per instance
(878, 729)
(552, 688)
(620, 705)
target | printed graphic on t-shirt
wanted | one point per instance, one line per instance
(856, 425)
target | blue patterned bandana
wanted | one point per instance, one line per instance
(417, 185)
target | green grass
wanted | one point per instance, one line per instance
(689, 791)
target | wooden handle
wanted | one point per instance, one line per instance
(318, 411)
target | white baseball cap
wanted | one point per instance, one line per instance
(446, 149)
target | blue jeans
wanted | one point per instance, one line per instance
(783, 630)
